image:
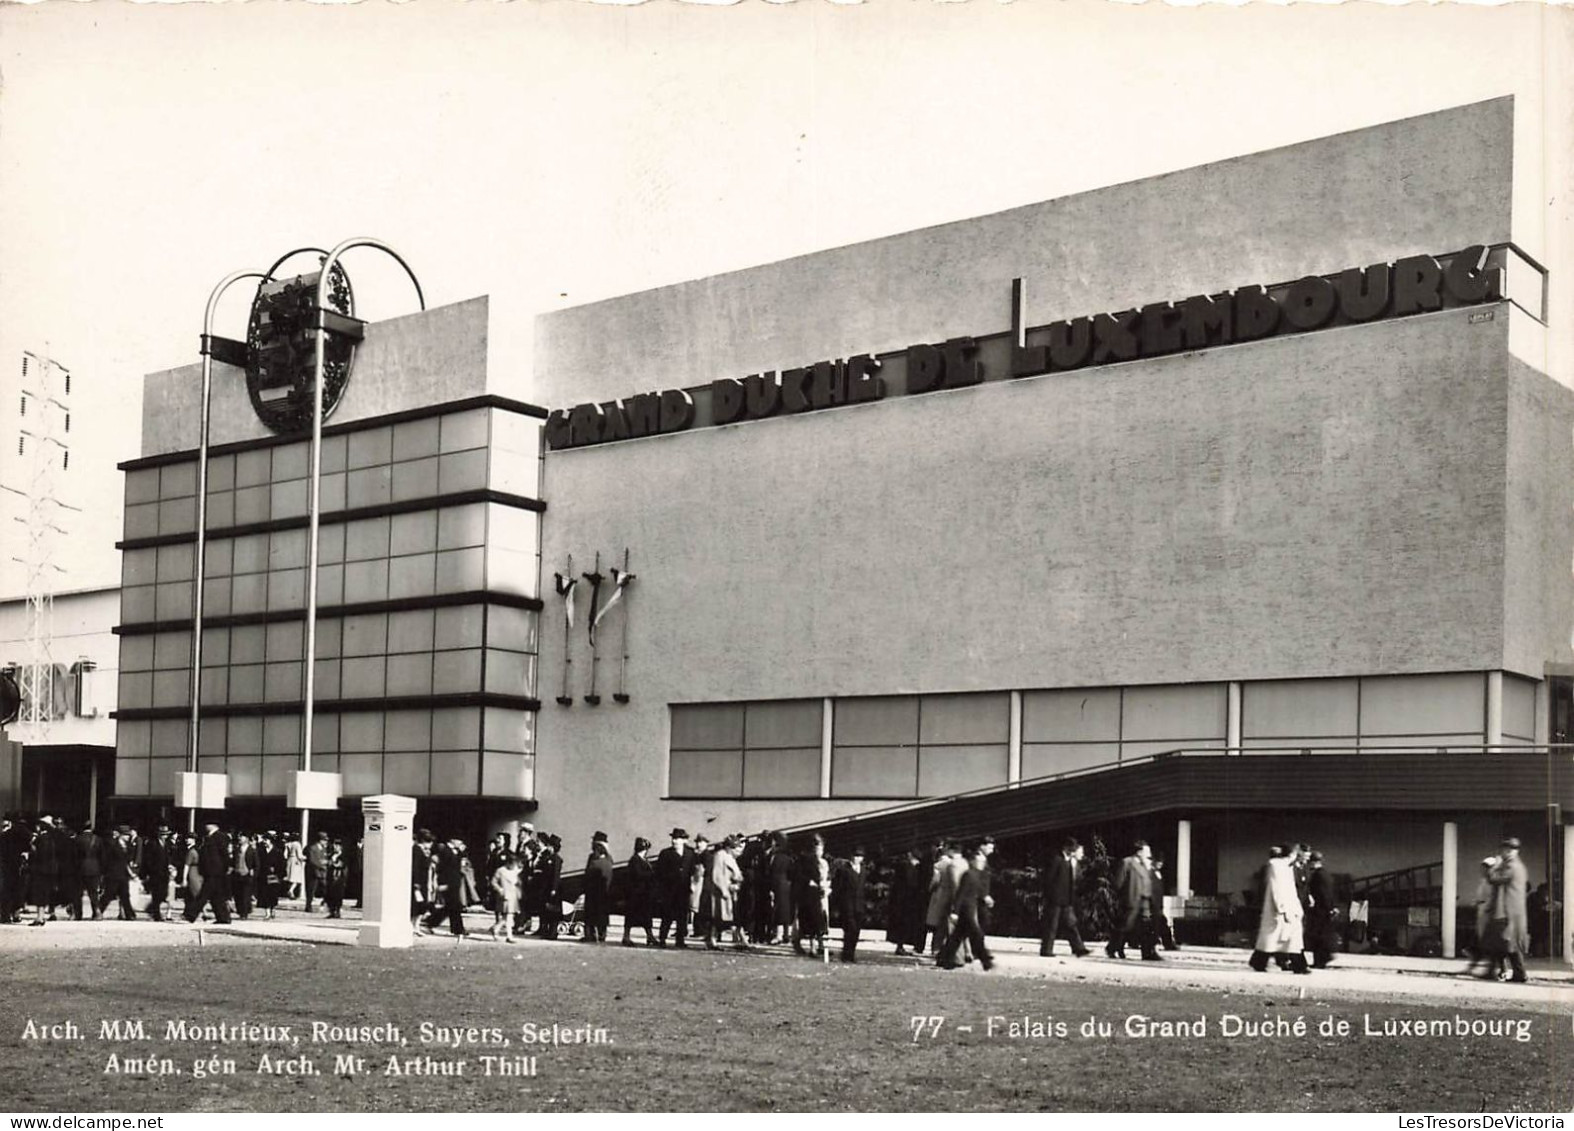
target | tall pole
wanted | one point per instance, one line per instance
(568, 627)
(320, 337)
(198, 565)
(594, 577)
(620, 696)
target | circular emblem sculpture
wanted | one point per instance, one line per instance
(281, 349)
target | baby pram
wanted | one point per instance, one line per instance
(572, 924)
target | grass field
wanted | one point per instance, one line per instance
(695, 1031)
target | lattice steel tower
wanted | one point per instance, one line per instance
(42, 445)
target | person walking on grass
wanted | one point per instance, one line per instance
(972, 897)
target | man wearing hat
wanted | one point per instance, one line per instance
(1507, 934)
(847, 897)
(672, 870)
(43, 869)
(213, 862)
(156, 871)
(638, 880)
(1322, 935)
(598, 889)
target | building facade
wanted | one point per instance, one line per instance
(427, 571)
(66, 766)
(1222, 508)
(916, 518)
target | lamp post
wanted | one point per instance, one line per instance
(322, 321)
(209, 345)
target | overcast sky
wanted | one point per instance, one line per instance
(549, 154)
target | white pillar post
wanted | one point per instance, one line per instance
(1494, 732)
(385, 871)
(1232, 718)
(825, 748)
(1568, 891)
(1450, 887)
(1182, 859)
(92, 792)
(1014, 740)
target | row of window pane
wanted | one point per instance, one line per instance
(391, 557)
(368, 447)
(907, 746)
(365, 634)
(349, 732)
(365, 677)
(372, 483)
(493, 773)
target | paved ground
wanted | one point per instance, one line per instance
(1373, 977)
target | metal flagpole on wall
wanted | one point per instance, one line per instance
(594, 577)
(619, 696)
(199, 564)
(565, 586)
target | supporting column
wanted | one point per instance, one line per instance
(825, 749)
(1450, 887)
(92, 792)
(1494, 733)
(1232, 718)
(1182, 859)
(1543, 734)
(1568, 892)
(385, 871)
(1014, 740)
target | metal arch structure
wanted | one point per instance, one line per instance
(320, 332)
(209, 343)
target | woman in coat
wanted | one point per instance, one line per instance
(724, 881)
(192, 866)
(294, 867)
(270, 874)
(812, 896)
(781, 869)
(908, 906)
(638, 880)
(699, 885)
(598, 890)
(1279, 930)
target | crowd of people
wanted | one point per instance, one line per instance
(742, 891)
(46, 865)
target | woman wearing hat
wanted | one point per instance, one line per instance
(782, 868)
(813, 893)
(598, 889)
(638, 878)
(722, 889)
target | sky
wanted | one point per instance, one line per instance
(553, 153)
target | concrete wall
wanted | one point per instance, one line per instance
(1327, 505)
(1538, 594)
(1429, 184)
(410, 362)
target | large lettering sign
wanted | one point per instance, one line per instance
(1417, 284)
